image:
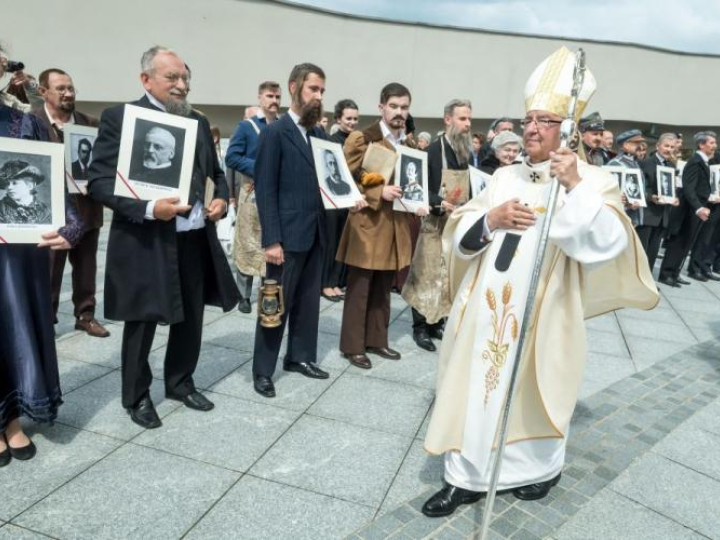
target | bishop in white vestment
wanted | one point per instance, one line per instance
(594, 264)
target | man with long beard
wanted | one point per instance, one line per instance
(292, 219)
(164, 260)
(376, 241)
(426, 288)
(593, 264)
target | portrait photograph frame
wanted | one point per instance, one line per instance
(336, 193)
(618, 174)
(639, 180)
(714, 183)
(162, 182)
(479, 181)
(73, 134)
(49, 160)
(662, 173)
(411, 201)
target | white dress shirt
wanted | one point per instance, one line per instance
(390, 137)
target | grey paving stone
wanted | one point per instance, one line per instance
(660, 314)
(657, 330)
(374, 403)
(12, 532)
(417, 367)
(63, 452)
(707, 419)
(423, 526)
(214, 364)
(610, 515)
(419, 473)
(646, 352)
(74, 374)
(97, 407)
(65, 325)
(679, 493)
(607, 343)
(694, 448)
(149, 494)
(256, 508)
(448, 533)
(692, 305)
(294, 391)
(105, 352)
(315, 453)
(233, 435)
(232, 332)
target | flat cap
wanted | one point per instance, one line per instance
(592, 122)
(630, 134)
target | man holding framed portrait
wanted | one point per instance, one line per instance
(164, 261)
(633, 196)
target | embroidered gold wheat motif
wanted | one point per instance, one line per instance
(497, 348)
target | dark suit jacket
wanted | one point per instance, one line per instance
(90, 211)
(696, 182)
(78, 173)
(435, 170)
(286, 187)
(142, 280)
(655, 214)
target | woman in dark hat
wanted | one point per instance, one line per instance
(29, 380)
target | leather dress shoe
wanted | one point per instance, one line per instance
(422, 339)
(307, 369)
(244, 306)
(23, 453)
(88, 324)
(331, 297)
(194, 400)
(5, 457)
(682, 281)
(264, 386)
(359, 360)
(711, 276)
(436, 332)
(447, 500)
(533, 492)
(385, 352)
(670, 282)
(697, 277)
(144, 414)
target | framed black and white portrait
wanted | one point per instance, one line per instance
(157, 151)
(714, 183)
(32, 191)
(478, 180)
(618, 174)
(666, 184)
(79, 144)
(633, 187)
(411, 174)
(337, 187)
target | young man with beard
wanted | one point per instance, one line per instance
(292, 218)
(164, 260)
(426, 288)
(240, 157)
(376, 241)
(58, 92)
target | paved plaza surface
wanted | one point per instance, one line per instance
(343, 457)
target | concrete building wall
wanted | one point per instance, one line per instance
(231, 45)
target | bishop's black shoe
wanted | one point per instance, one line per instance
(447, 500)
(534, 492)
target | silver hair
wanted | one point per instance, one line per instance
(455, 103)
(703, 137)
(666, 137)
(147, 62)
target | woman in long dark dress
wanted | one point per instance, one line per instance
(29, 379)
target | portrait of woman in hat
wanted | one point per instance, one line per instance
(19, 180)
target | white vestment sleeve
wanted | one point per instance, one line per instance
(466, 222)
(587, 230)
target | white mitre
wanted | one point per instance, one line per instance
(550, 85)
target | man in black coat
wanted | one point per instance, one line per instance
(699, 220)
(164, 261)
(657, 214)
(292, 218)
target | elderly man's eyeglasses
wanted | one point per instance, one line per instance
(541, 123)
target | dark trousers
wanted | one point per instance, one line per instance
(678, 246)
(333, 272)
(703, 252)
(300, 279)
(420, 322)
(650, 238)
(83, 259)
(244, 283)
(183, 349)
(366, 314)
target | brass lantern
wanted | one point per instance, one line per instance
(271, 305)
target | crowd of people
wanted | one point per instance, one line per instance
(458, 261)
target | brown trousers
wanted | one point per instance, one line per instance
(83, 259)
(366, 314)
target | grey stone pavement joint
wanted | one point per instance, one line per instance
(295, 467)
